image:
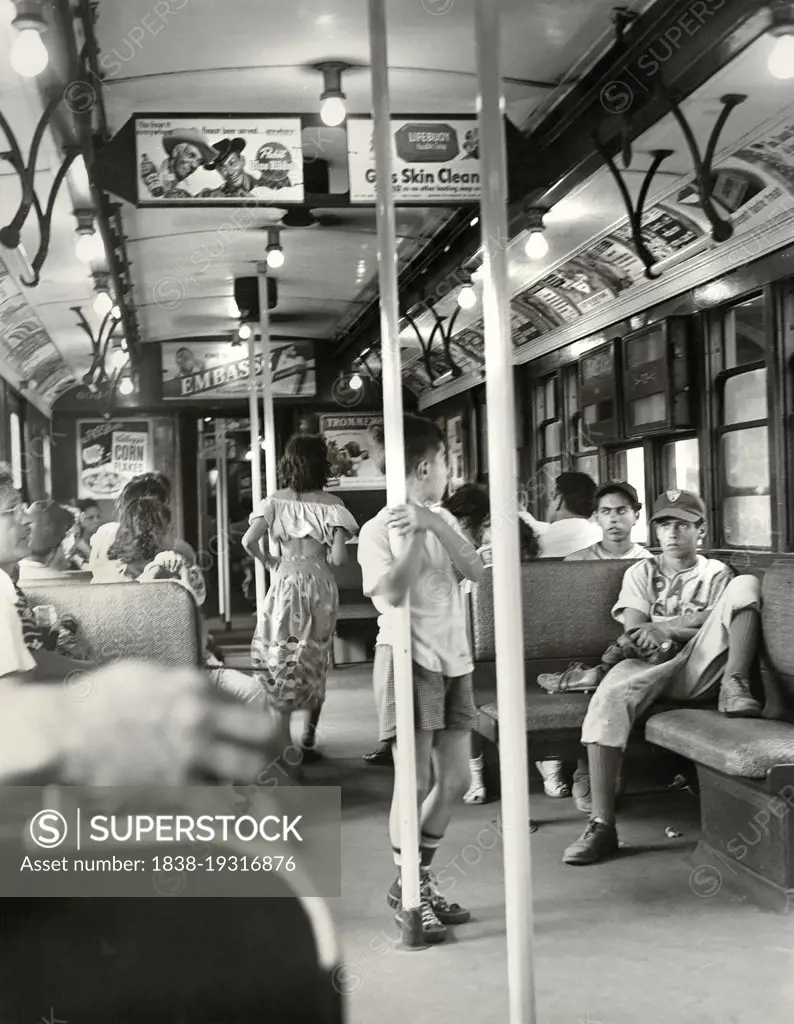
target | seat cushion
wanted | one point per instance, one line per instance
(549, 711)
(745, 747)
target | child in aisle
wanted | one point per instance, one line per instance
(419, 550)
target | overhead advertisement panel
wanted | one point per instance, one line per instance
(436, 160)
(218, 159)
(212, 370)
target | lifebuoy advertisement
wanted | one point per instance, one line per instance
(435, 160)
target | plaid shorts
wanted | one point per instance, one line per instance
(440, 702)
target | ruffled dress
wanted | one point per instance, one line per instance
(291, 648)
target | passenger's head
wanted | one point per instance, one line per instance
(617, 508)
(146, 485)
(88, 517)
(144, 527)
(680, 521)
(425, 458)
(14, 525)
(304, 465)
(469, 504)
(528, 541)
(49, 523)
(573, 496)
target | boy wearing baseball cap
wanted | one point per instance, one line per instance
(691, 631)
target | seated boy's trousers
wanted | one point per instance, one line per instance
(632, 686)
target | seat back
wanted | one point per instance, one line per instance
(566, 609)
(155, 621)
(777, 615)
(169, 959)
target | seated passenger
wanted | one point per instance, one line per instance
(77, 544)
(146, 485)
(142, 552)
(617, 509)
(28, 649)
(50, 523)
(571, 527)
(692, 631)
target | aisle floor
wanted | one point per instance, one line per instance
(625, 941)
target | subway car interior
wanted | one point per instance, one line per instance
(347, 323)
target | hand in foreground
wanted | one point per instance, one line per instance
(171, 561)
(136, 723)
(649, 637)
(409, 519)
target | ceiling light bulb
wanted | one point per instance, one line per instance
(781, 59)
(29, 55)
(356, 383)
(126, 387)
(244, 333)
(332, 111)
(275, 258)
(116, 313)
(467, 297)
(103, 304)
(118, 359)
(537, 247)
(86, 247)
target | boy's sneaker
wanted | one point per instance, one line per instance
(736, 701)
(553, 775)
(445, 913)
(598, 840)
(576, 678)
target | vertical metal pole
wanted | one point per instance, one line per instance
(256, 461)
(395, 472)
(223, 528)
(268, 419)
(220, 466)
(503, 466)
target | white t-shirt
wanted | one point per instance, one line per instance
(660, 594)
(14, 655)
(562, 538)
(596, 552)
(438, 615)
(102, 568)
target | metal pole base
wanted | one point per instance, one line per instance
(411, 936)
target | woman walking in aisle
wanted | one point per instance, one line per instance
(307, 529)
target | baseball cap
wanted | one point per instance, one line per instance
(616, 485)
(682, 505)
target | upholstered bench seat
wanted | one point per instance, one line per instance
(548, 711)
(743, 747)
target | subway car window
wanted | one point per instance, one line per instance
(15, 430)
(743, 457)
(629, 465)
(681, 465)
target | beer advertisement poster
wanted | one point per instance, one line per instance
(352, 452)
(212, 370)
(218, 160)
(435, 160)
(109, 454)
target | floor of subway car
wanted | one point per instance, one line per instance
(624, 941)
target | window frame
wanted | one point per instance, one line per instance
(717, 376)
